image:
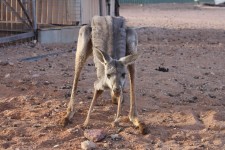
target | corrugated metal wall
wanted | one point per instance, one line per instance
(62, 12)
(161, 1)
(56, 12)
(90, 8)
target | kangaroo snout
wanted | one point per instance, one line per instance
(117, 91)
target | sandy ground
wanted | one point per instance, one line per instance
(182, 108)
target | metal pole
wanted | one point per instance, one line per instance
(100, 8)
(34, 18)
(112, 7)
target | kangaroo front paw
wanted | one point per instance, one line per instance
(65, 121)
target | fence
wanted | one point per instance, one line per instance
(20, 19)
(16, 20)
(58, 12)
(161, 1)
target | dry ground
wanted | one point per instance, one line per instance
(183, 108)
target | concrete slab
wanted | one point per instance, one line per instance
(67, 34)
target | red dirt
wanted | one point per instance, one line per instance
(183, 108)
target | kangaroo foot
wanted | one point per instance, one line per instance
(142, 128)
(115, 124)
(137, 123)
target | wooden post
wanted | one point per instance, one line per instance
(112, 7)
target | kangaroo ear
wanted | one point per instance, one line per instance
(129, 59)
(102, 56)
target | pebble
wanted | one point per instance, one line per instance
(106, 145)
(35, 75)
(72, 130)
(36, 125)
(212, 96)
(115, 137)
(4, 63)
(55, 146)
(47, 83)
(89, 97)
(66, 87)
(218, 142)
(88, 145)
(223, 87)
(7, 75)
(94, 135)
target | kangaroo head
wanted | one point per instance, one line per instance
(115, 70)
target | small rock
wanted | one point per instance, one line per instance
(67, 95)
(196, 77)
(35, 75)
(88, 145)
(106, 145)
(66, 87)
(55, 146)
(162, 69)
(217, 142)
(89, 97)
(4, 63)
(90, 91)
(223, 87)
(36, 125)
(212, 96)
(193, 99)
(72, 130)
(7, 75)
(115, 137)
(42, 69)
(5, 145)
(94, 134)
(42, 134)
(120, 130)
(47, 83)
(35, 83)
(11, 64)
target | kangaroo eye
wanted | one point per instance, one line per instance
(123, 75)
(108, 76)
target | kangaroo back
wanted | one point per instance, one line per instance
(109, 35)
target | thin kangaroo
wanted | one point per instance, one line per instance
(114, 50)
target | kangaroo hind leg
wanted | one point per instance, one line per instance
(132, 42)
(84, 49)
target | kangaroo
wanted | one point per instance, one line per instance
(114, 50)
